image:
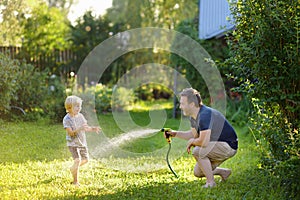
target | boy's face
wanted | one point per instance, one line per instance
(75, 109)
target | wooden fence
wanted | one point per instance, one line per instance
(57, 61)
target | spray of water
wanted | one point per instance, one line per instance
(114, 143)
(111, 155)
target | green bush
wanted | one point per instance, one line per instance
(265, 59)
(8, 81)
(32, 91)
(238, 111)
(151, 91)
(22, 87)
(103, 96)
(54, 103)
(122, 98)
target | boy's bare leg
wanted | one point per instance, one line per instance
(83, 162)
(75, 171)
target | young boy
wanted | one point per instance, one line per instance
(76, 126)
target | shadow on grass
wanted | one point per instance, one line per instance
(253, 184)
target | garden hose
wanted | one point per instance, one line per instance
(168, 137)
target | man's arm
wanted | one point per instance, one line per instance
(186, 135)
(201, 141)
(203, 138)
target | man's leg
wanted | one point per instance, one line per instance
(206, 168)
(223, 172)
(203, 168)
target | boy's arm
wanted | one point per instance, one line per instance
(73, 133)
(93, 129)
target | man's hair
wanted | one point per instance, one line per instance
(193, 96)
(71, 101)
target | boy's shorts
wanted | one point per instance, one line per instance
(79, 153)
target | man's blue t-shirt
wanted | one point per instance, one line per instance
(221, 129)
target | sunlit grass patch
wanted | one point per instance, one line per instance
(35, 165)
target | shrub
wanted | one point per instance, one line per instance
(22, 87)
(122, 98)
(103, 96)
(8, 81)
(32, 90)
(56, 95)
(153, 91)
(265, 59)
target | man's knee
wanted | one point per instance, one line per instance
(195, 152)
(198, 172)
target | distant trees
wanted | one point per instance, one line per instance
(46, 30)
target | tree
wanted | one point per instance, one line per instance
(12, 12)
(46, 30)
(88, 32)
(131, 14)
(63, 5)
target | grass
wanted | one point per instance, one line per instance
(34, 164)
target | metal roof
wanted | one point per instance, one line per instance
(213, 18)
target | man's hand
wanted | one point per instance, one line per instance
(190, 144)
(172, 133)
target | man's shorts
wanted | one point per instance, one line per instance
(79, 153)
(216, 152)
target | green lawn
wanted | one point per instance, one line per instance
(34, 164)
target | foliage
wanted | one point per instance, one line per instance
(147, 13)
(152, 91)
(45, 31)
(265, 59)
(31, 91)
(53, 106)
(217, 51)
(238, 111)
(24, 88)
(35, 165)
(63, 5)
(127, 14)
(12, 12)
(122, 98)
(103, 98)
(88, 32)
(8, 81)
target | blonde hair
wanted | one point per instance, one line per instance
(193, 96)
(71, 101)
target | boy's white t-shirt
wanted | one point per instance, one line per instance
(74, 123)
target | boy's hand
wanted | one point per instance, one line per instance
(84, 127)
(97, 129)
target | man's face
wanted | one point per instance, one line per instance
(185, 106)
